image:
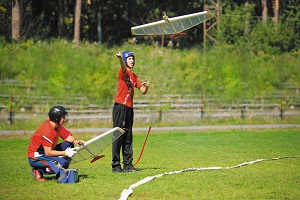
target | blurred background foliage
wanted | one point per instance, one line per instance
(69, 73)
(254, 59)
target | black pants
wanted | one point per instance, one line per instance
(123, 118)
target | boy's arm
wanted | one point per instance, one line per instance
(144, 88)
(123, 65)
(73, 140)
(51, 152)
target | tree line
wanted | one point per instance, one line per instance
(109, 22)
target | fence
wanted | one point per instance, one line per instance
(167, 108)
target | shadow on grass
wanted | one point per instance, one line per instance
(54, 177)
(150, 168)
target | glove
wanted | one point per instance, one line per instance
(70, 152)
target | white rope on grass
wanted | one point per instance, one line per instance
(127, 192)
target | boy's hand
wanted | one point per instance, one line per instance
(145, 83)
(123, 65)
(119, 55)
(70, 152)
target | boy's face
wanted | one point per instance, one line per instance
(130, 61)
(63, 119)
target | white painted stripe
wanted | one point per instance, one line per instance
(127, 192)
(47, 139)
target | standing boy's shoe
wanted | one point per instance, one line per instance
(117, 169)
(37, 175)
(130, 168)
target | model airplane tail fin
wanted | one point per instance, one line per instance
(177, 35)
(97, 158)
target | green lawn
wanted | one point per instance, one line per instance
(168, 152)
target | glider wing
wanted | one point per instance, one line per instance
(172, 25)
(92, 148)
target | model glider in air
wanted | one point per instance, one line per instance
(172, 26)
(92, 148)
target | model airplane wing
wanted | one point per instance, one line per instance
(172, 25)
(92, 148)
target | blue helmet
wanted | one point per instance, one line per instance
(125, 55)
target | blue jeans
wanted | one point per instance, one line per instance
(42, 162)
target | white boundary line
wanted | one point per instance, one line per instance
(127, 192)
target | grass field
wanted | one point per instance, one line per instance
(168, 152)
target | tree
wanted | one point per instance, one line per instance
(77, 22)
(16, 19)
(276, 9)
(51, 19)
(247, 19)
(60, 19)
(265, 11)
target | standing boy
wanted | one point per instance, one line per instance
(123, 111)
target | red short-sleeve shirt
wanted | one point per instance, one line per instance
(46, 135)
(127, 81)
